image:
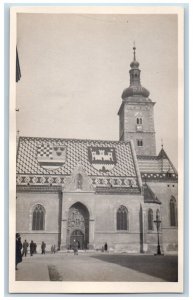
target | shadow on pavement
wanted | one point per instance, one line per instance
(164, 267)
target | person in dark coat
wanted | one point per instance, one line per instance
(31, 246)
(35, 248)
(75, 247)
(18, 248)
(25, 246)
(43, 247)
(106, 247)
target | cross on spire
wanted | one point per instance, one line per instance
(162, 144)
(134, 48)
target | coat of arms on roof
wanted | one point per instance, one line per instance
(51, 155)
(102, 158)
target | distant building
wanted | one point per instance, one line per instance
(92, 192)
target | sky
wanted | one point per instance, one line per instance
(75, 67)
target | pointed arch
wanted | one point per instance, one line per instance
(78, 225)
(150, 219)
(122, 218)
(139, 121)
(38, 218)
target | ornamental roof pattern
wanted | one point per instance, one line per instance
(160, 164)
(76, 153)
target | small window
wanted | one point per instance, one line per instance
(139, 143)
(122, 223)
(38, 222)
(139, 121)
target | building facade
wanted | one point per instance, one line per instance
(92, 192)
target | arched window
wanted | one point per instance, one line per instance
(173, 212)
(38, 221)
(122, 223)
(140, 143)
(79, 182)
(150, 219)
(139, 121)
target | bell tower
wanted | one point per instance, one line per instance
(136, 114)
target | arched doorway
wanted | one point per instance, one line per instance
(78, 226)
(77, 238)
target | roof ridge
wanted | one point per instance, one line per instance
(74, 139)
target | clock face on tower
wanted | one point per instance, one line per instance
(139, 127)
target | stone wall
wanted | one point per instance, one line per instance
(130, 130)
(26, 201)
(164, 191)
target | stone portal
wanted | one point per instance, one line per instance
(78, 226)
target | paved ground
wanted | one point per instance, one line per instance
(97, 267)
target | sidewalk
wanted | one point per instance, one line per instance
(98, 267)
(31, 269)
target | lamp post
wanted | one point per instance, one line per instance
(158, 222)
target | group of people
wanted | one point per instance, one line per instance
(22, 249)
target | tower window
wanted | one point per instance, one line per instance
(139, 121)
(139, 143)
(122, 218)
(38, 222)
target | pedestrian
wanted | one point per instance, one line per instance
(31, 247)
(18, 247)
(43, 247)
(106, 247)
(75, 248)
(35, 248)
(25, 246)
(54, 249)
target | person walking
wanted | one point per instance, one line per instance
(31, 246)
(25, 246)
(75, 248)
(43, 247)
(18, 247)
(106, 247)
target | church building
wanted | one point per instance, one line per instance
(92, 192)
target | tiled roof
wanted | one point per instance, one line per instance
(76, 153)
(149, 196)
(156, 164)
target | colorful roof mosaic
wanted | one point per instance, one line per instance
(157, 167)
(106, 158)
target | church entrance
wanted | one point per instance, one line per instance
(78, 226)
(77, 238)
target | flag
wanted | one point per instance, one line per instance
(18, 71)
